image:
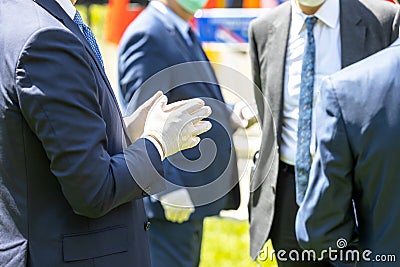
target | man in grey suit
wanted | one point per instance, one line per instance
(72, 176)
(357, 163)
(344, 32)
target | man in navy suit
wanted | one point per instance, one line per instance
(356, 167)
(159, 51)
(72, 176)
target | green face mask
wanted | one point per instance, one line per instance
(192, 6)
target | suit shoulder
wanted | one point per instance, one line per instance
(144, 26)
(360, 76)
(382, 9)
(270, 15)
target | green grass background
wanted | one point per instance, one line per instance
(226, 244)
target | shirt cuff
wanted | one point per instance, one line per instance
(157, 145)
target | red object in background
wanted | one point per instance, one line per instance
(119, 16)
(211, 4)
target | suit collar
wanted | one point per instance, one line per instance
(352, 31)
(328, 14)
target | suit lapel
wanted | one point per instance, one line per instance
(278, 34)
(352, 32)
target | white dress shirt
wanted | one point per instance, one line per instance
(327, 61)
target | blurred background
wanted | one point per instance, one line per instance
(222, 27)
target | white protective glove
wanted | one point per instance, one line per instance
(135, 122)
(177, 206)
(176, 126)
(242, 116)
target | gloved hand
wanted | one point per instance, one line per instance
(177, 205)
(135, 122)
(176, 126)
(242, 116)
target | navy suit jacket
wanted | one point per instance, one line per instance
(358, 125)
(70, 187)
(154, 56)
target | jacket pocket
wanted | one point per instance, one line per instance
(95, 244)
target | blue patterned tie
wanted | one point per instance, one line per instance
(303, 155)
(88, 35)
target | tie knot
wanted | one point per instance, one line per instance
(310, 22)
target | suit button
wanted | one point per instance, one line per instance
(273, 189)
(147, 226)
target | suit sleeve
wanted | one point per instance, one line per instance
(59, 99)
(141, 74)
(327, 213)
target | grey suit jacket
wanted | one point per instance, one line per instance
(69, 188)
(357, 159)
(366, 27)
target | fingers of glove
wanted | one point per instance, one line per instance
(201, 127)
(181, 215)
(185, 216)
(169, 214)
(152, 100)
(174, 214)
(200, 114)
(184, 104)
(160, 103)
(192, 105)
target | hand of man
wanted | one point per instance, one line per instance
(135, 122)
(176, 126)
(177, 206)
(242, 116)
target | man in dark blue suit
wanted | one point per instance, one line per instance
(352, 195)
(72, 176)
(160, 52)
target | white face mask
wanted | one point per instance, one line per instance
(311, 3)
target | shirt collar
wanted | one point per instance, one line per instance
(68, 7)
(180, 24)
(328, 14)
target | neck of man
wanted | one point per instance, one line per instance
(177, 9)
(308, 10)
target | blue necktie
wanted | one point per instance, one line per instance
(88, 35)
(303, 155)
